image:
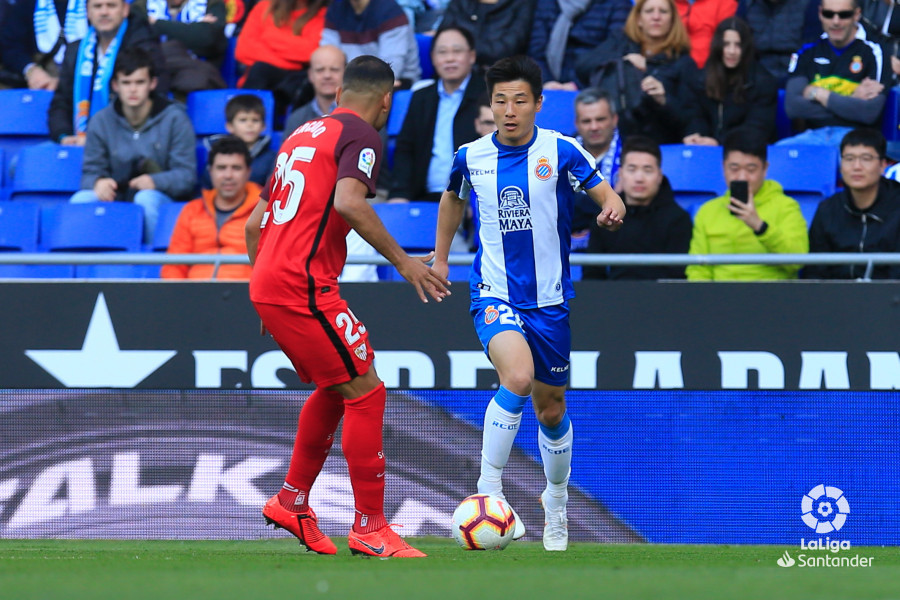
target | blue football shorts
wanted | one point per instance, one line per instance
(545, 329)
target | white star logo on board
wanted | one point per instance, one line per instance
(100, 362)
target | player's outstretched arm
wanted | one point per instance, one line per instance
(612, 214)
(450, 215)
(252, 231)
(350, 202)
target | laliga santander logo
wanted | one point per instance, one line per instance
(825, 509)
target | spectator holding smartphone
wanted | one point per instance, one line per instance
(753, 217)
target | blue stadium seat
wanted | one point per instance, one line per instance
(695, 173)
(206, 109)
(808, 207)
(23, 118)
(230, 64)
(36, 271)
(117, 271)
(4, 190)
(558, 111)
(890, 120)
(47, 172)
(413, 224)
(19, 226)
(424, 42)
(168, 215)
(395, 121)
(807, 173)
(95, 227)
(783, 127)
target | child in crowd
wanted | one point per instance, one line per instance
(245, 117)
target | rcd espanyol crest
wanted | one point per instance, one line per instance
(543, 170)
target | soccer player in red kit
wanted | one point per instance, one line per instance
(296, 240)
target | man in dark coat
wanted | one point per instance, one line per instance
(864, 216)
(656, 224)
(441, 117)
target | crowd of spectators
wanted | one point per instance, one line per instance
(648, 72)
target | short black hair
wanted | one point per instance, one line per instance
(470, 39)
(515, 68)
(132, 58)
(244, 103)
(367, 75)
(747, 141)
(865, 136)
(592, 95)
(229, 144)
(856, 4)
(641, 143)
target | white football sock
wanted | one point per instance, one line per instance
(556, 454)
(501, 424)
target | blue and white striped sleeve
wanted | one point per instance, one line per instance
(460, 184)
(578, 161)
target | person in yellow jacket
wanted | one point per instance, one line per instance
(769, 222)
(214, 223)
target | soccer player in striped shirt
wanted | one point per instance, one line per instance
(524, 179)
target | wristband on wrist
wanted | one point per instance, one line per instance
(762, 228)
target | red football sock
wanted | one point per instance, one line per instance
(361, 440)
(318, 421)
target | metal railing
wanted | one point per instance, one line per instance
(150, 258)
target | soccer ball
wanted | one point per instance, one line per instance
(483, 522)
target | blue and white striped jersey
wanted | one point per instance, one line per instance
(524, 202)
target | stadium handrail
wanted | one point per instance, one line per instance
(150, 258)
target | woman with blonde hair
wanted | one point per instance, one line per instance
(644, 68)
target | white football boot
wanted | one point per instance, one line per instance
(556, 525)
(519, 531)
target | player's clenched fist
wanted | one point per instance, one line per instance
(609, 219)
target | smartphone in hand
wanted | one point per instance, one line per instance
(739, 191)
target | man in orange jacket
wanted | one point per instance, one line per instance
(214, 223)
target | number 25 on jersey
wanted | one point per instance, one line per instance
(286, 176)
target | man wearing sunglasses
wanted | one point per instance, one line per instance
(836, 83)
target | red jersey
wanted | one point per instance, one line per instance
(302, 248)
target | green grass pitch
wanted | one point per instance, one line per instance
(277, 568)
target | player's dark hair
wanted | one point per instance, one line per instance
(515, 68)
(132, 58)
(368, 75)
(641, 143)
(592, 95)
(244, 103)
(748, 141)
(470, 39)
(865, 136)
(229, 144)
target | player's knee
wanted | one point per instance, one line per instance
(550, 410)
(551, 416)
(518, 382)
